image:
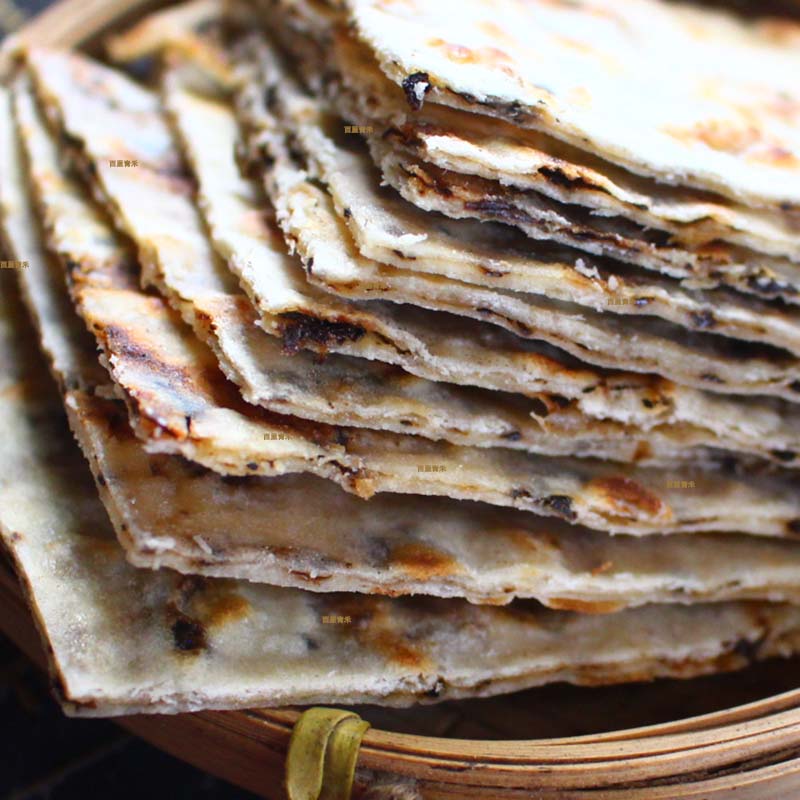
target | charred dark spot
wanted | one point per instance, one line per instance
(188, 420)
(749, 650)
(341, 437)
(467, 97)
(271, 98)
(348, 213)
(71, 266)
(401, 254)
(558, 178)
(437, 688)
(703, 319)
(539, 407)
(188, 634)
(318, 182)
(784, 455)
(711, 377)
(498, 209)
(252, 466)
(515, 110)
(492, 273)
(266, 157)
(311, 644)
(561, 505)
(310, 264)
(795, 386)
(769, 286)
(297, 156)
(793, 527)
(300, 330)
(484, 310)
(69, 141)
(512, 436)
(588, 389)
(647, 403)
(560, 400)
(101, 479)
(411, 86)
(517, 493)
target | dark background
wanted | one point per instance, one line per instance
(45, 755)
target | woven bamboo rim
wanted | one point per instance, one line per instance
(749, 752)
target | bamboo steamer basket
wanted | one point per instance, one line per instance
(730, 736)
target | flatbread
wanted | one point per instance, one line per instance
(303, 532)
(641, 344)
(478, 145)
(126, 641)
(177, 26)
(715, 97)
(432, 188)
(269, 530)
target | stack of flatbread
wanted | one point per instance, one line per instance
(417, 350)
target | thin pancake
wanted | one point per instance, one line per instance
(458, 196)
(439, 346)
(478, 145)
(492, 255)
(326, 251)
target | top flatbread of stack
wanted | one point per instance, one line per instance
(685, 95)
